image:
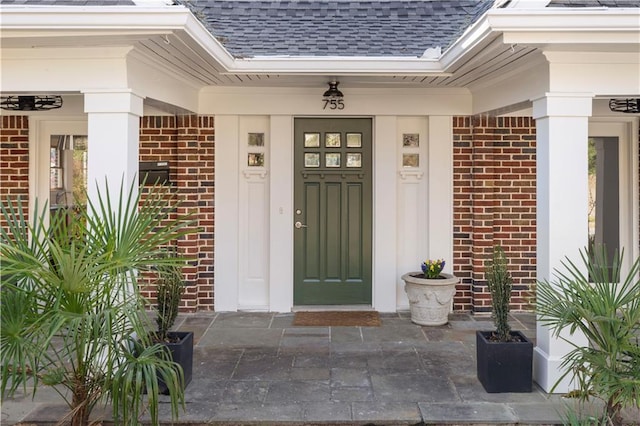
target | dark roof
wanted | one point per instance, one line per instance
(594, 3)
(249, 28)
(336, 28)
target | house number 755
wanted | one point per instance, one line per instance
(333, 104)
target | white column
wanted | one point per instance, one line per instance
(385, 276)
(253, 205)
(227, 213)
(114, 138)
(562, 191)
(440, 192)
(281, 214)
(412, 230)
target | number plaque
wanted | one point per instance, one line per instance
(333, 104)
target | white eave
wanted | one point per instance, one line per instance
(562, 26)
(492, 38)
(36, 26)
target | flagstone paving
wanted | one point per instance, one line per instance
(255, 368)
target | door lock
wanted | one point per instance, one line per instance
(299, 225)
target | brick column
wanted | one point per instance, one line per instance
(186, 143)
(14, 159)
(494, 203)
(195, 183)
(462, 211)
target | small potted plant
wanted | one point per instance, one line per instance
(504, 357)
(170, 288)
(430, 293)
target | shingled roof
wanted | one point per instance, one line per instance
(338, 28)
(361, 28)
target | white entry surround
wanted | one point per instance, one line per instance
(413, 208)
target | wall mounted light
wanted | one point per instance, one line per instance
(629, 106)
(31, 103)
(333, 97)
(333, 91)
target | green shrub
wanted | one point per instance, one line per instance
(606, 308)
(72, 314)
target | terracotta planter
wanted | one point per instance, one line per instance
(430, 299)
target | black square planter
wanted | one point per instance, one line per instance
(504, 366)
(182, 353)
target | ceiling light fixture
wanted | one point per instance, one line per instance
(31, 103)
(629, 106)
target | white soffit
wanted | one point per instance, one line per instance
(503, 39)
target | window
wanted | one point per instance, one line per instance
(604, 195)
(68, 170)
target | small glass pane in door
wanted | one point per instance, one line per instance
(332, 160)
(311, 159)
(312, 140)
(354, 140)
(354, 159)
(332, 140)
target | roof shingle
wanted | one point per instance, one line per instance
(337, 27)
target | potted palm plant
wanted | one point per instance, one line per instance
(169, 290)
(504, 357)
(430, 293)
(599, 300)
(72, 314)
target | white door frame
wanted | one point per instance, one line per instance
(625, 130)
(40, 131)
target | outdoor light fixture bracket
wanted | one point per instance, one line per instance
(333, 97)
(629, 106)
(31, 103)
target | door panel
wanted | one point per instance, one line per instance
(333, 201)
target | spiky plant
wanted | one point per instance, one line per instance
(169, 292)
(500, 284)
(598, 301)
(72, 315)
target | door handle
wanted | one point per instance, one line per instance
(299, 225)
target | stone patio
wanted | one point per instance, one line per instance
(256, 368)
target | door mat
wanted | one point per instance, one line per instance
(337, 319)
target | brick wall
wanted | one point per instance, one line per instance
(494, 203)
(494, 196)
(14, 159)
(187, 144)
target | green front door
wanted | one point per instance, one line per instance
(332, 211)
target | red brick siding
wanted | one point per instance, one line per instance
(195, 181)
(494, 203)
(14, 159)
(187, 143)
